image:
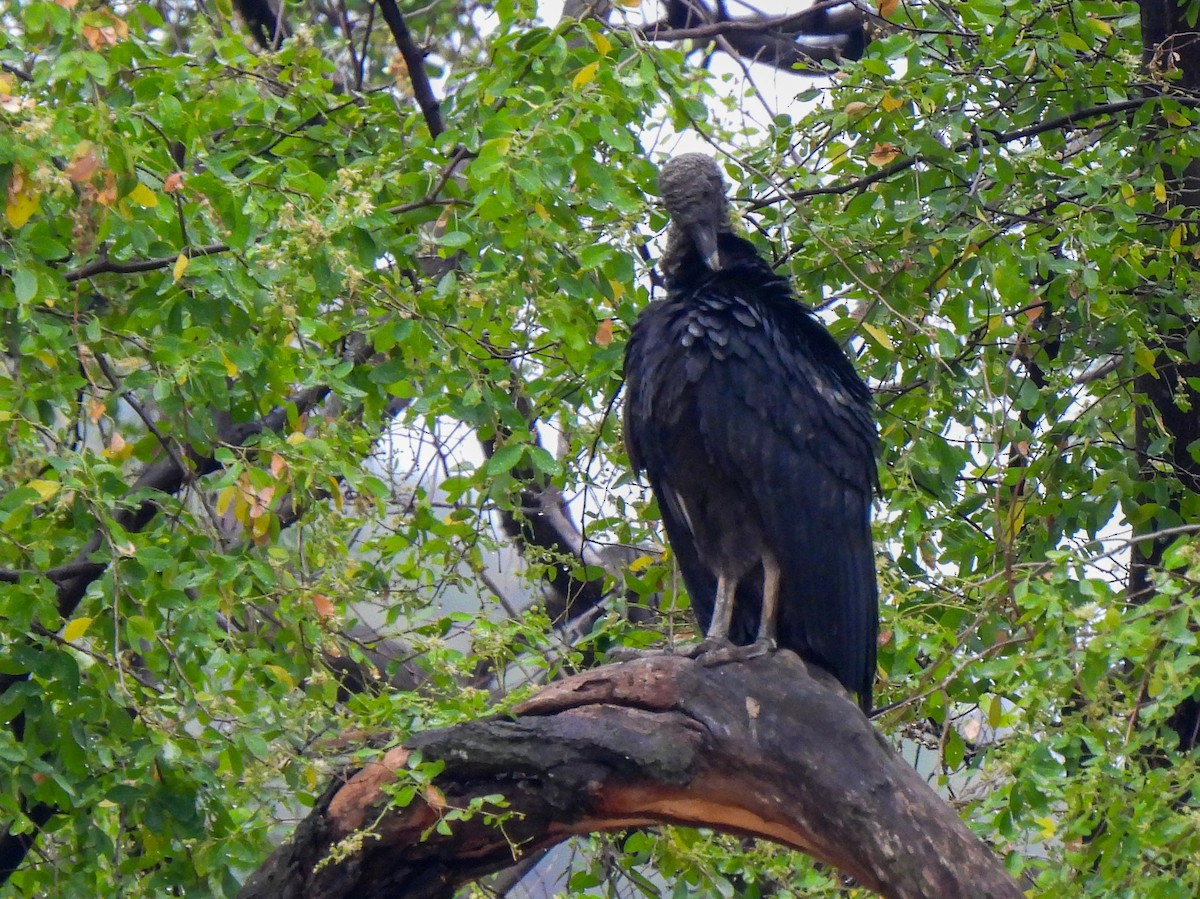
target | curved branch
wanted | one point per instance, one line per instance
(764, 749)
(414, 59)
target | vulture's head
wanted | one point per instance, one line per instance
(693, 191)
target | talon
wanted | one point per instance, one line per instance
(729, 653)
(705, 647)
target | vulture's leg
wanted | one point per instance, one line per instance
(718, 630)
(716, 648)
(769, 617)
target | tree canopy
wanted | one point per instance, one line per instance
(311, 353)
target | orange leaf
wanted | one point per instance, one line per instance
(107, 32)
(887, 7)
(434, 798)
(324, 606)
(108, 196)
(96, 409)
(604, 332)
(882, 154)
(278, 464)
(83, 164)
(173, 182)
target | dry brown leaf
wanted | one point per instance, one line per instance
(83, 164)
(604, 332)
(883, 153)
(108, 196)
(324, 606)
(434, 798)
(109, 33)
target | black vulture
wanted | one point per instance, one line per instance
(758, 439)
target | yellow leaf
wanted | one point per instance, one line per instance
(641, 563)
(879, 336)
(22, 199)
(76, 629)
(181, 265)
(296, 438)
(230, 368)
(618, 288)
(996, 712)
(1146, 359)
(281, 674)
(1176, 118)
(1099, 26)
(225, 498)
(602, 43)
(1047, 825)
(143, 196)
(1176, 239)
(890, 103)
(541, 211)
(45, 489)
(1030, 62)
(586, 75)
(1160, 191)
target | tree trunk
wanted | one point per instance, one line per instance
(763, 748)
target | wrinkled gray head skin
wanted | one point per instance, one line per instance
(693, 191)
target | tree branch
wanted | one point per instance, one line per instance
(106, 266)
(764, 749)
(414, 59)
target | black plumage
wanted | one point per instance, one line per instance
(758, 439)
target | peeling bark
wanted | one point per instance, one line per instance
(763, 748)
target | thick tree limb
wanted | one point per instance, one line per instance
(763, 748)
(414, 60)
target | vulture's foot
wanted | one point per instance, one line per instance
(726, 652)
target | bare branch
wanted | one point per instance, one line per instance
(106, 266)
(765, 749)
(414, 59)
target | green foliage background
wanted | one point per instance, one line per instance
(1002, 274)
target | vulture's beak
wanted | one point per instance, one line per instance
(704, 235)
